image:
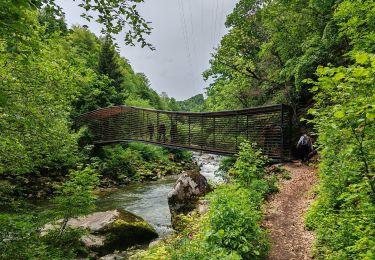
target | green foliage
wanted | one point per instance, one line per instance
(119, 163)
(343, 216)
(234, 218)
(149, 152)
(109, 66)
(18, 19)
(226, 164)
(20, 236)
(34, 110)
(75, 196)
(232, 226)
(194, 103)
(356, 20)
(272, 46)
(48, 76)
(20, 239)
(181, 155)
(231, 229)
(43, 89)
(249, 165)
(137, 161)
(67, 245)
(200, 249)
(271, 49)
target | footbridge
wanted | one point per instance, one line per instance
(214, 132)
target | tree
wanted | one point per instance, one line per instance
(109, 66)
(271, 47)
(17, 19)
(37, 93)
(75, 196)
(194, 103)
(53, 21)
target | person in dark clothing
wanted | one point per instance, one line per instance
(151, 130)
(304, 147)
(173, 132)
(162, 132)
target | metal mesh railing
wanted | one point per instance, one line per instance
(215, 132)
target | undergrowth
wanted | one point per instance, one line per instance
(121, 164)
(231, 228)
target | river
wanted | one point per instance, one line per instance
(149, 200)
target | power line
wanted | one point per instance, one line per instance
(192, 27)
(221, 21)
(185, 35)
(193, 45)
(215, 14)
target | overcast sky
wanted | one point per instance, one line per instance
(185, 34)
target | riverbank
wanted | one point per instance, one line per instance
(117, 165)
(231, 228)
(148, 199)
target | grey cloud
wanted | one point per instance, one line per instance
(185, 34)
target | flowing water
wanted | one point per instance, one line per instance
(149, 200)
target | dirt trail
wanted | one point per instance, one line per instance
(284, 215)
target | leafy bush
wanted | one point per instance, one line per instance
(231, 229)
(67, 245)
(249, 165)
(75, 196)
(343, 216)
(234, 218)
(119, 163)
(181, 155)
(20, 236)
(149, 152)
(226, 164)
(190, 249)
(138, 161)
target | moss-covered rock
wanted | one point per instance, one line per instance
(127, 230)
(111, 230)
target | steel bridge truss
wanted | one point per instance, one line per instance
(214, 132)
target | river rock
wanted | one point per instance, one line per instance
(203, 206)
(111, 230)
(115, 256)
(186, 192)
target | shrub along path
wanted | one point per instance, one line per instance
(284, 214)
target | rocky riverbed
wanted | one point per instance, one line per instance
(149, 200)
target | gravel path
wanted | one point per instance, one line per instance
(284, 214)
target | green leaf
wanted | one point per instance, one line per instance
(361, 58)
(339, 114)
(339, 76)
(370, 116)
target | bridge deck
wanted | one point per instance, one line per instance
(215, 132)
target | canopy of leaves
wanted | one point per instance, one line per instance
(272, 46)
(48, 77)
(18, 20)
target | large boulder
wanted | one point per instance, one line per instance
(111, 230)
(186, 192)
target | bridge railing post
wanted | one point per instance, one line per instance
(189, 122)
(157, 127)
(236, 148)
(214, 133)
(247, 127)
(201, 141)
